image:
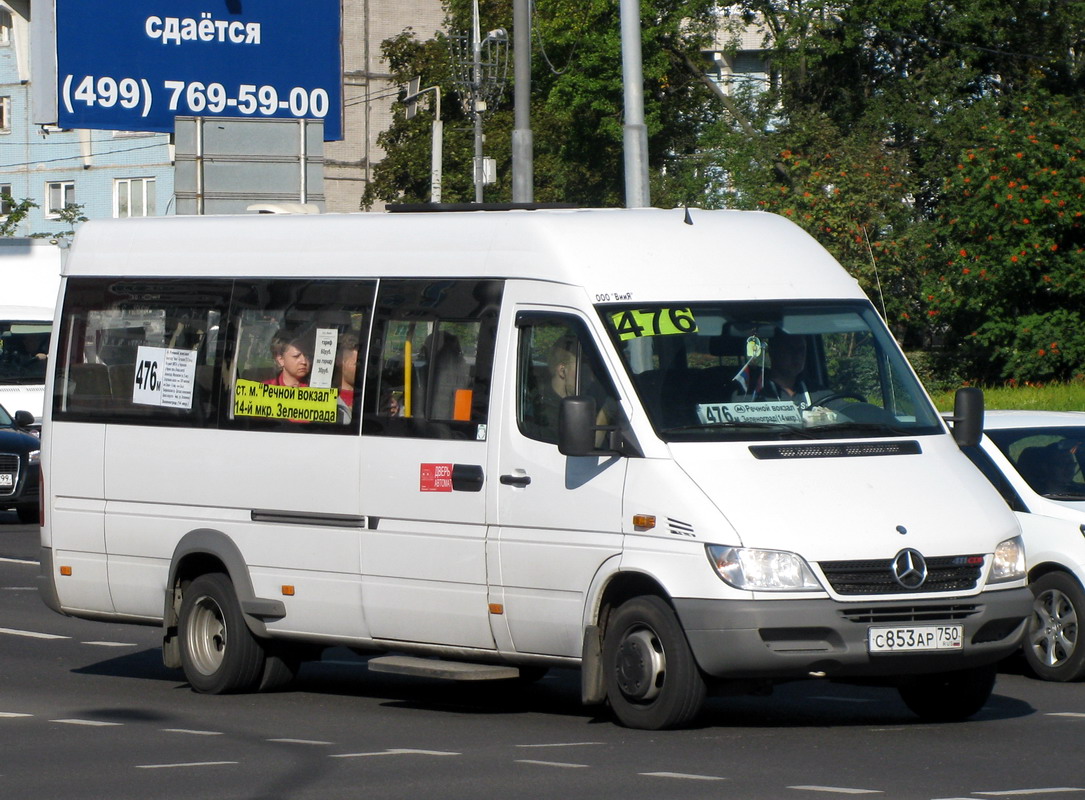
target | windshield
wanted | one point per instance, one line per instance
(1051, 460)
(777, 370)
(23, 350)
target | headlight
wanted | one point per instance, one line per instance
(33, 457)
(1008, 563)
(762, 570)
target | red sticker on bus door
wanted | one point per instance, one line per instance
(435, 478)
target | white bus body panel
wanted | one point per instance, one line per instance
(511, 569)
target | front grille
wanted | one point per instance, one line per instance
(875, 576)
(907, 614)
(9, 464)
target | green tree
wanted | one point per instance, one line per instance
(1004, 278)
(71, 215)
(577, 105)
(9, 225)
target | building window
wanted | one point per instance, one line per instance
(58, 195)
(6, 200)
(5, 115)
(5, 27)
(133, 197)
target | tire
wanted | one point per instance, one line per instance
(28, 515)
(1053, 647)
(949, 696)
(219, 655)
(652, 681)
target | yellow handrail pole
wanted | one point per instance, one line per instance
(407, 378)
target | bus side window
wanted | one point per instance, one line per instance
(431, 358)
(130, 351)
(293, 352)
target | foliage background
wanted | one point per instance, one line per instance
(934, 148)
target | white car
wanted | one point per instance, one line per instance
(1036, 459)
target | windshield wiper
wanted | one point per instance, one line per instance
(773, 426)
(858, 427)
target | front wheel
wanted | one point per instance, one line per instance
(219, 654)
(949, 696)
(652, 680)
(1053, 649)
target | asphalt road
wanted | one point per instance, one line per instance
(88, 711)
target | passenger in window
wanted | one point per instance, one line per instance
(391, 404)
(346, 368)
(291, 355)
(449, 372)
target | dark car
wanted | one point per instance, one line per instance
(20, 453)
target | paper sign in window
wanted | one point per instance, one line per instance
(164, 377)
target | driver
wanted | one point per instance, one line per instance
(783, 379)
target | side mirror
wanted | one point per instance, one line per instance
(23, 419)
(967, 416)
(576, 426)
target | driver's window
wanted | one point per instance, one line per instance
(556, 359)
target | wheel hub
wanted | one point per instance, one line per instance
(641, 665)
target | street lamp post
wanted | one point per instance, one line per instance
(437, 145)
(481, 67)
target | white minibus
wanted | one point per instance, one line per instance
(678, 450)
(29, 279)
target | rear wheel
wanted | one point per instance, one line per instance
(949, 696)
(219, 654)
(651, 677)
(1053, 648)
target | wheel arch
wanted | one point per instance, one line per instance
(1046, 568)
(206, 550)
(610, 590)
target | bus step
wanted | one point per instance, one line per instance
(436, 668)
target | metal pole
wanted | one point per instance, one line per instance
(436, 152)
(303, 194)
(635, 131)
(523, 178)
(476, 93)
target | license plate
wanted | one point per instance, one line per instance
(7, 479)
(915, 637)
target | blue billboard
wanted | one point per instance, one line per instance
(134, 65)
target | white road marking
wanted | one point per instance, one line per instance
(1065, 714)
(298, 741)
(93, 723)
(550, 764)
(192, 732)
(836, 789)
(112, 644)
(186, 764)
(396, 752)
(19, 561)
(682, 776)
(12, 715)
(561, 744)
(32, 634)
(1018, 792)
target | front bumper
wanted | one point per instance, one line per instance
(795, 638)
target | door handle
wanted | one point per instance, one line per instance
(515, 480)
